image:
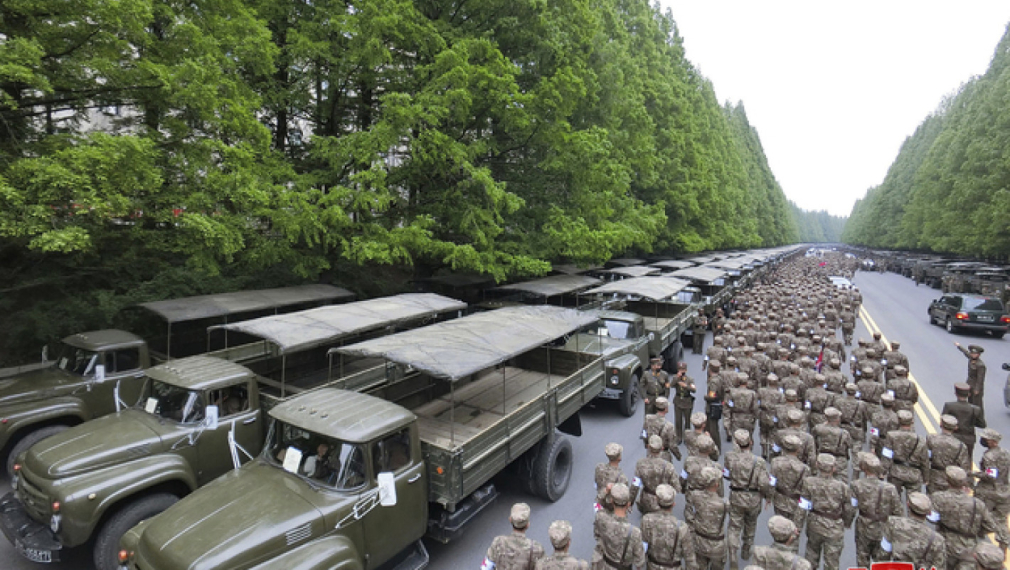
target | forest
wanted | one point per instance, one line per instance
(158, 148)
(948, 190)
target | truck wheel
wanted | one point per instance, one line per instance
(552, 469)
(629, 399)
(107, 543)
(29, 440)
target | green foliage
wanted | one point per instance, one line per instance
(818, 226)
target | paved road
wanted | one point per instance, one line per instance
(892, 303)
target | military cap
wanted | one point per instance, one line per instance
(753, 567)
(781, 528)
(962, 389)
(705, 442)
(620, 494)
(715, 364)
(748, 349)
(975, 348)
(520, 515)
(730, 360)
(655, 443)
(886, 398)
(741, 437)
(791, 395)
(656, 360)
(682, 364)
(825, 461)
(876, 336)
(948, 421)
(895, 345)
(560, 533)
(867, 370)
(717, 338)
(761, 345)
(900, 370)
(991, 434)
(956, 476)
(820, 378)
(870, 463)
(871, 352)
(989, 556)
(832, 413)
(708, 476)
(698, 419)
(772, 379)
(851, 387)
(919, 503)
(817, 338)
(835, 362)
(794, 416)
(905, 417)
(666, 494)
(613, 450)
(662, 403)
(794, 368)
(863, 342)
(791, 442)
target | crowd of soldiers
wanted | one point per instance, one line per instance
(835, 445)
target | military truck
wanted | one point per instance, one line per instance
(715, 287)
(77, 379)
(470, 397)
(98, 479)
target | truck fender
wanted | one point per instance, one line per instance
(333, 552)
(24, 416)
(627, 364)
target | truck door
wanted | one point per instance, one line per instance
(388, 530)
(120, 368)
(234, 413)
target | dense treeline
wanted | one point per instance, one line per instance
(949, 188)
(153, 148)
(818, 226)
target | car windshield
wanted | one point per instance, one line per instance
(76, 360)
(173, 402)
(316, 458)
(982, 304)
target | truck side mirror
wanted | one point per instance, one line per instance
(210, 417)
(387, 489)
(45, 353)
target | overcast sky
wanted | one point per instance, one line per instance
(835, 88)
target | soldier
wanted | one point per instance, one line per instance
(718, 321)
(854, 416)
(698, 331)
(905, 455)
(878, 345)
(714, 393)
(657, 424)
(609, 474)
(793, 403)
(707, 516)
(794, 426)
(910, 539)
(618, 543)
(847, 319)
(944, 450)
(514, 551)
(794, 382)
(992, 486)
(683, 400)
(698, 421)
(560, 533)
(651, 472)
(783, 365)
(870, 390)
(876, 500)
(826, 506)
(835, 377)
(976, 373)
(969, 416)
(781, 555)
(749, 487)
(741, 405)
(714, 353)
(693, 466)
(655, 383)
(963, 519)
(905, 392)
(874, 364)
(769, 399)
(788, 474)
(831, 439)
(670, 541)
(894, 358)
(882, 421)
(988, 557)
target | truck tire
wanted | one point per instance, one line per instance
(552, 468)
(629, 399)
(29, 440)
(106, 553)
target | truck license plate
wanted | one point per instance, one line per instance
(34, 554)
(611, 394)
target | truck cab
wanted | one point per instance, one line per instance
(622, 340)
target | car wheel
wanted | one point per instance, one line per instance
(950, 326)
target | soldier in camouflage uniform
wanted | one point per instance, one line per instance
(670, 541)
(976, 373)
(683, 389)
(769, 399)
(560, 533)
(714, 353)
(834, 376)
(905, 393)
(781, 555)
(707, 517)
(793, 402)
(608, 474)
(848, 322)
(870, 390)
(878, 345)
(831, 439)
(514, 551)
(963, 519)
(657, 424)
(795, 383)
(694, 465)
(794, 426)
(911, 539)
(905, 455)
(882, 421)
(992, 486)
(655, 383)
(944, 450)
(787, 475)
(651, 472)
(741, 406)
(894, 358)
(783, 365)
(876, 500)
(749, 488)
(714, 392)
(618, 543)
(854, 416)
(698, 421)
(988, 557)
(969, 416)
(818, 400)
(825, 506)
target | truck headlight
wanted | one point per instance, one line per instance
(615, 380)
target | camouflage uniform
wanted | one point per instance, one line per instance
(830, 513)
(607, 474)
(671, 543)
(714, 392)
(749, 486)
(780, 556)
(769, 399)
(698, 330)
(515, 551)
(944, 450)
(876, 500)
(618, 543)
(657, 424)
(788, 474)
(963, 519)
(560, 533)
(988, 557)
(655, 383)
(882, 422)
(808, 448)
(869, 392)
(650, 473)
(854, 416)
(707, 517)
(911, 539)
(818, 400)
(905, 456)
(691, 478)
(830, 438)
(742, 407)
(992, 486)
(904, 391)
(698, 422)
(834, 377)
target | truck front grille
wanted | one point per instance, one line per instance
(36, 502)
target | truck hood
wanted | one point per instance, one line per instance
(109, 440)
(597, 344)
(32, 385)
(239, 520)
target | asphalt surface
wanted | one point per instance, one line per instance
(893, 305)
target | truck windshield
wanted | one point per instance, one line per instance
(173, 402)
(617, 329)
(76, 360)
(316, 458)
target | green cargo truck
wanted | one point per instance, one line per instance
(467, 398)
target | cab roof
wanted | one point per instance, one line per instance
(104, 339)
(344, 415)
(199, 373)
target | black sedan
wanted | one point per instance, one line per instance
(964, 312)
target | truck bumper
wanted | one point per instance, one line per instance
(30, 538)
(611, 394)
